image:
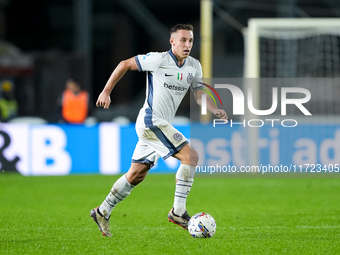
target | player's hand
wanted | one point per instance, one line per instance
(104, 100)
(220, 113)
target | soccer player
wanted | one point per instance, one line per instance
(169, 76)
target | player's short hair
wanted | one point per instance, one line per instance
(181, 27)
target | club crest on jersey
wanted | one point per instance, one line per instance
(190, 78)
(178, 136)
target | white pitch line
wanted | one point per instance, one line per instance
(279, 227)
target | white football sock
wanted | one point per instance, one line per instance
(185, 179)
(120, 190)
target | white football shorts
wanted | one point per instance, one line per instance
(162, 140)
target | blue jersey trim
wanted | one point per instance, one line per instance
(171, 153)
(175, 59)
(138, 64)
(148, 111)
(198, 87)
(144, 161)
(160, 135)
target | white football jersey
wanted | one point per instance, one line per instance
(166, 85)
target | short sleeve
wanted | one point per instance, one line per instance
(197, 81)
(199, 73)
(149, 62)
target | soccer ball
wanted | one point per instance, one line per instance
(202, 225)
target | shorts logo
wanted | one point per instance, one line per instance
(178, 137)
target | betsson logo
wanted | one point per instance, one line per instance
(238, 105)
(174, 87)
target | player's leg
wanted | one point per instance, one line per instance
(137, 173)
(123, 187)
(119, 191)
(142, 160)
(168, 141)
(184, 180)
(187, 155)
(184, 177)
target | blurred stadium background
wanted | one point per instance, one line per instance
(41, 47)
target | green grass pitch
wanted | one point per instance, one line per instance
(50, 215)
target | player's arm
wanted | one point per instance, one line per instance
(125, 65)
(211, 107)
